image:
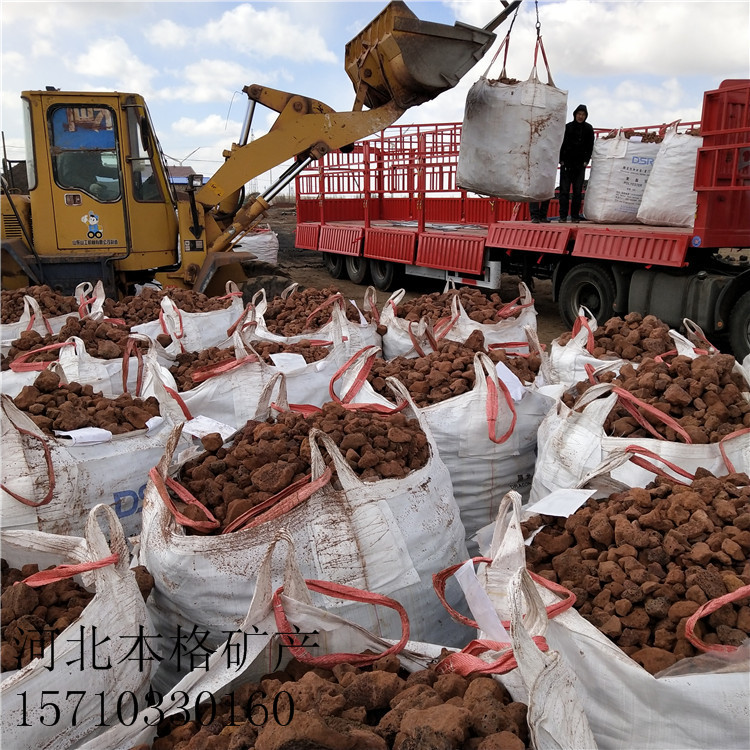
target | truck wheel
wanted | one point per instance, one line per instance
(385, 275)
(589, 285)
(739, 327)
(356, 268)
(335, 265)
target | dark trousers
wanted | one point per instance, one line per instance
(538, 210)
(571, 176)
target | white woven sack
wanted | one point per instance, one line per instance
(405, 338)
(231, 394)
(356, 335)
(90, 300)
(32, 319)
(511, 138)
(65, 676)
(59, 481)
(194, 332)
(669, 198)
(568, 362)
(106, 375)
(510, 331)
(75, 365)
(388, 537)
(262, 242)
(573, 444)
(620, 167)
(486, 439)
(626, 706)
(261, 650)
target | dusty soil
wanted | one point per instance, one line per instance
(306, 268)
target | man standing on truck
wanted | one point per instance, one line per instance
(575, 154)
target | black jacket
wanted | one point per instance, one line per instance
(577, 144)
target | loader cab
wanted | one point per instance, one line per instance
(101, 202)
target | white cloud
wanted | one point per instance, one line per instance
(257, 33)
(167, 34)
(210, 81)
(213, 126)
(587, 37)
(112, 59)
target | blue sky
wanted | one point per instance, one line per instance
(631, 62)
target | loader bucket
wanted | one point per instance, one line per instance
(399, 58)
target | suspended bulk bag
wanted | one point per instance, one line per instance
(511, 135)
(620, 167)
(669, 198)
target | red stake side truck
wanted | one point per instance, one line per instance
(390, 209)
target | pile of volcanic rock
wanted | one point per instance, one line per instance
(102, 339)
(642, 561)
(146, 306)
(33, 616)
(298, 313)
(480, 307)
(708, 396)
(54, 405)
(373, 708)
(447, 372)
(188, 364)
(632, 338)
(264, 458)
(51, 302)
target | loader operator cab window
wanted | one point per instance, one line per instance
(145, 184)
(84, 151)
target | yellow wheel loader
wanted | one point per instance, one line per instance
(100, 204)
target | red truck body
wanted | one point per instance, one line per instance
(391, 208)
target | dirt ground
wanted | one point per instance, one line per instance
(306, 268)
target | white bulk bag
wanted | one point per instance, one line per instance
(388, 537)
(105, 633)
(90, 300)
(194, 331)
(262, 242)
(338, 639)
(32, 319)
(356, 335)
(669, 198)
(626, 706)
(569, 362)
(230, 392)
(486, 438)
(620, 167)
(405, 338)
(112, 377)
(511, 136)
(51, 483)
(572, 444)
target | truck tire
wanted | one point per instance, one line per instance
(739, 327)
(335, 265)
(385, 275)
(590, 285)
(357, 268)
